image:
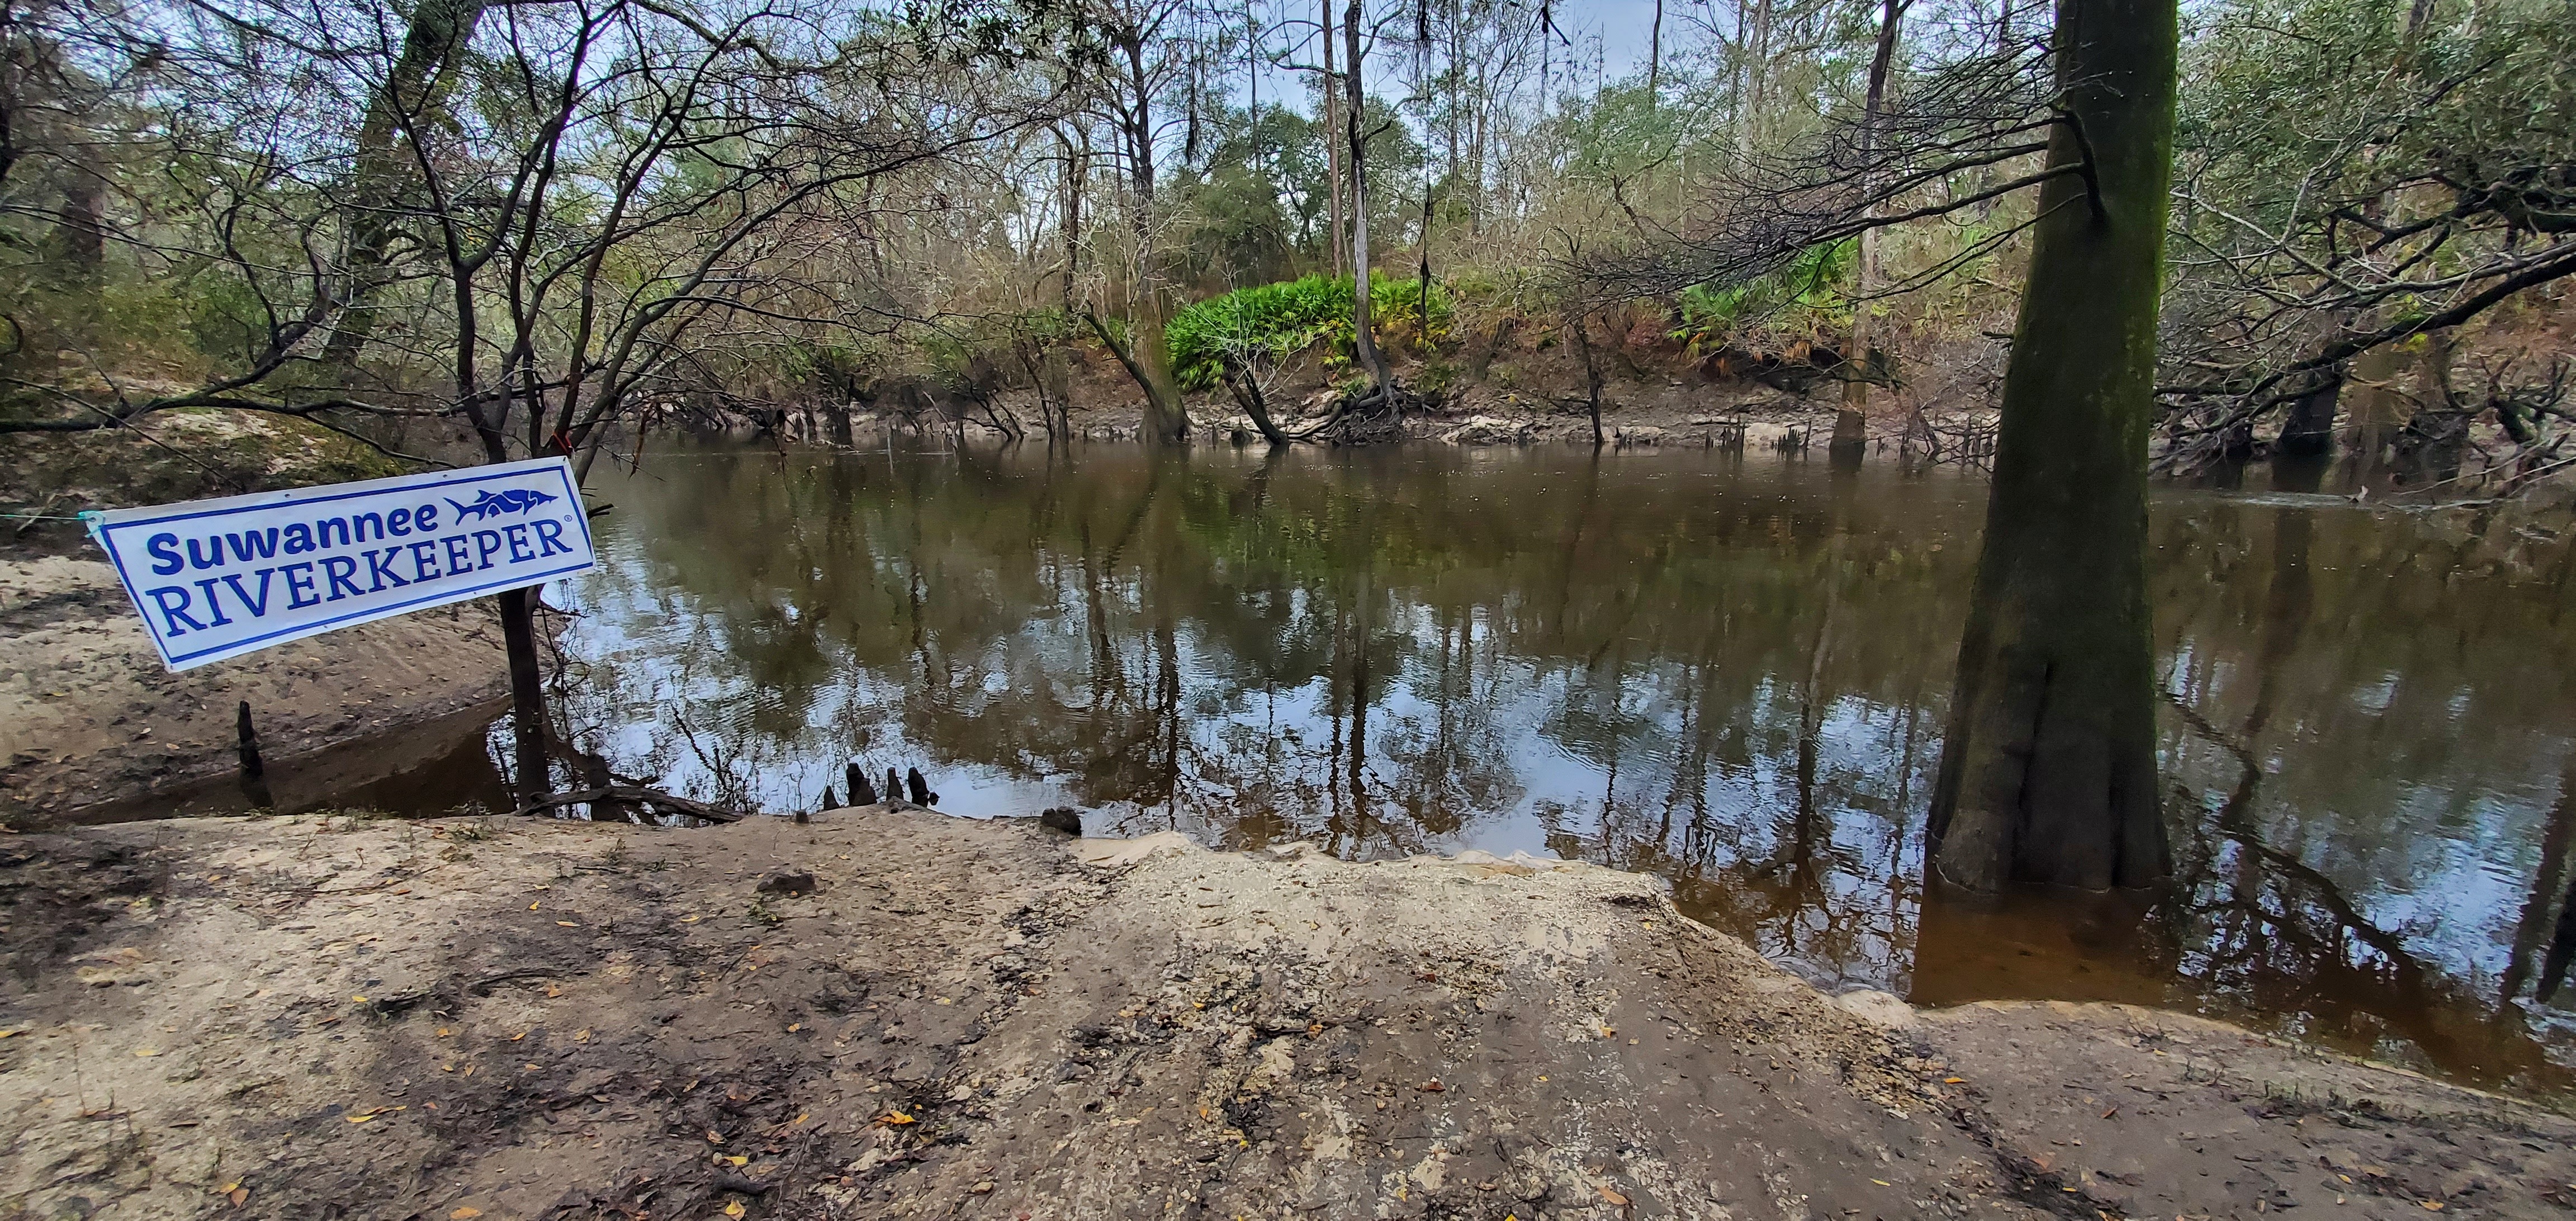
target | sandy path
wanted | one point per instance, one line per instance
(535, 1019)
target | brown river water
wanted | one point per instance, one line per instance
(1726, 670)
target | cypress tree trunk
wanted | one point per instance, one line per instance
(2308, 429)
(2048, 771)
(1167, 418)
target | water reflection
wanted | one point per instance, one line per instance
(1728, 672)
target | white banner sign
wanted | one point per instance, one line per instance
(219, 578)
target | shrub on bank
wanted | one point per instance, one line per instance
(1278, 320)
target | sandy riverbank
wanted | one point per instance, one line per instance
(301, 1017)
(88, 716)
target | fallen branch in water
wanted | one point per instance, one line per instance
(626, 793)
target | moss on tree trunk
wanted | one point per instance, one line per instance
(2048, 771)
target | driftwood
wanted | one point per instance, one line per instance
(626, 793)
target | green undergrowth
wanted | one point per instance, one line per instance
(1808, 295)
(1278, 320)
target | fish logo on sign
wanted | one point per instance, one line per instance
(501, 504)
(219, 578)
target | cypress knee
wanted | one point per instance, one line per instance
(251, 767)
(861, 794)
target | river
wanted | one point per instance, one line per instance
(1727, 670)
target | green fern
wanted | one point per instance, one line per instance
(1278, 320)
(1806, 295)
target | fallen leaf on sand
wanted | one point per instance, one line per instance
(895, 1119)
(147, 1051)
(1953, 1080)
(359, 1118)
(690, 919)
(793, 1027)
(532, 904)
(735, 1159)
(1432, 1087)
(358, 1000)
(734, 1209)
(443, 1032)
(1612, 1196)
(6, 1033)
(800, 1118)
(238, 1195)
(566, 924)
(465, 1212)
(516, 1037)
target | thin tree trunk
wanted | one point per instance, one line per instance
(1591, 373)
(1131, 357)
(2048, 770)
(1422, 333)
(1363, 331)
(1757, 76)
(1851, 424)
(1332, 147)
(1147, 358)
(1246, 388)
(1655, 57)
(1077, 168)
(1476, 151)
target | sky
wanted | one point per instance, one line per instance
(1618, 30)
(1624, 27)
